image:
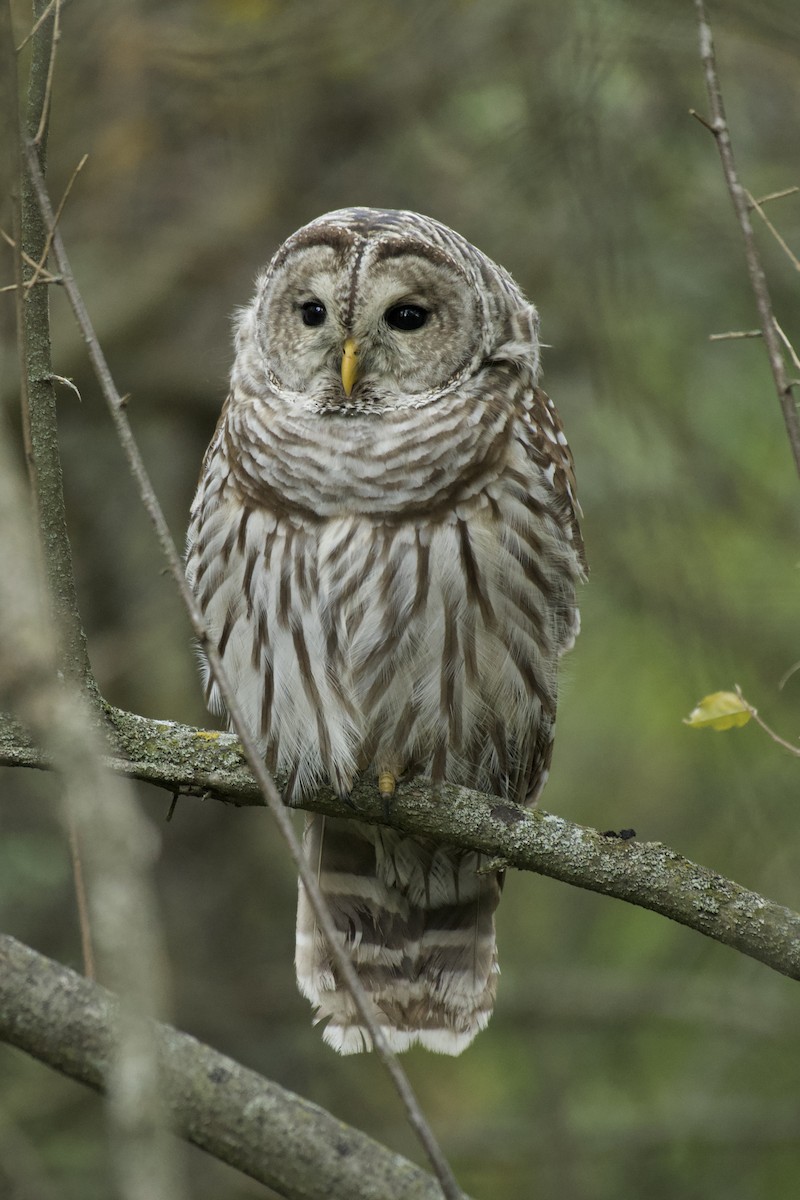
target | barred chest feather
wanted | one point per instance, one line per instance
(392, 642)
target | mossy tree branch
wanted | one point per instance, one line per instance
(197, 762)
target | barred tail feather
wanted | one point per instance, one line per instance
(417, 921)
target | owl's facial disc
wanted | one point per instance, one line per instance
(351, 328)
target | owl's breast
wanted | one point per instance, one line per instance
(445, 636)
(399, 639)
(399, 463)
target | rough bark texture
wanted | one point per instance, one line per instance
(649, 874)
(241, 1118)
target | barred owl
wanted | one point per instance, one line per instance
(385, 545)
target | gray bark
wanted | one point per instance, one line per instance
(206, 763)
(262, 1129)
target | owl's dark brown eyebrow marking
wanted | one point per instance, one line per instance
(395, 247)
(330, 236)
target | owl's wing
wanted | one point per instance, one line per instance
(219, 434)
(542, 436)
(547, 446)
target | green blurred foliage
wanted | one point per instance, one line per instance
(628, 1057)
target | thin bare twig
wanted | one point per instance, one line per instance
(719, 128)
(39, 267)
(734, 335)
(791, 191)
(80, 898)
(698, 117)
(44, 276)
(755, 205)
(789, 347)
(270, 792)
(787, 675)
(37, 25)
(12, 287)
(760, 721)
(51, 67)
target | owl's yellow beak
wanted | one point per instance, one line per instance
(349, 366)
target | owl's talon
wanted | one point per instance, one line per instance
(387, 782)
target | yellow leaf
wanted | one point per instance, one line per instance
(720, 710)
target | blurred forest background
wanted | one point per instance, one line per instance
(628, 1057)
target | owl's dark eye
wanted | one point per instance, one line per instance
(314, 312)
(406, 316)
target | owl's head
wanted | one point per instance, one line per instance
(368, 310)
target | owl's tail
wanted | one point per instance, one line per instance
(417, 920)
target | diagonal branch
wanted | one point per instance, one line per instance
(241, 1118)
(201, 762)
(116, 405)
(35, 231)
(758, 281)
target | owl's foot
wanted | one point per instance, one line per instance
(387, 782)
